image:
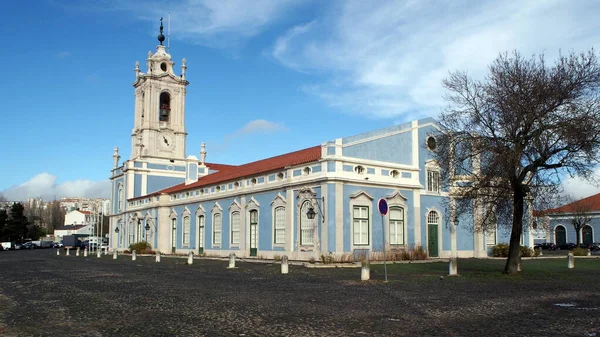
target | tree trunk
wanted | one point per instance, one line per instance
(578, 234)
(514, 251)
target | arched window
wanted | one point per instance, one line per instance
(279, 225)
(217, 229)
(433, 218)
(131, 232)
(186, 230)
(306, 225)
(235, 228)
(164, 107)
(396, 226)
(120, 198)
(587, 236)
(560, 235)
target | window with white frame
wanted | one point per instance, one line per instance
(396, 226)
(490, 234)
(217, 229)
(433, 218)
(360, 225)
(433, 181)
(120, 197)
(235, 228)
(279, 217)
(306, 225)
(186, 230)
(201, 231)
(131, 232)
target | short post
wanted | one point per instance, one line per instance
(106, 251)
(453, 267)
(190, 258)
(540, 254)
(68, 251)
(98, 253)
(519, 265)
(157, 256)
(284, 264)
(115, 253)
(133, 255)
(589, 252)
(571, 261)
(365, 272)
(85, 252)
(231, 261)
(77, 252)
(58, 251)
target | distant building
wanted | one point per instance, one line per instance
(555, 225)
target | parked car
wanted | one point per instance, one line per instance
(88, 245)
(57, 245)
(567, 246)
(594, 247)
(545, 246)
(28, 245)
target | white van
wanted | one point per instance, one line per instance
(8, 245)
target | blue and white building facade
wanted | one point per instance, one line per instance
(182, 204)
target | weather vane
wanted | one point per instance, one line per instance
(161, 37)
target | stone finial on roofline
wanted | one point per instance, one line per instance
(116, 157)
(202, 153)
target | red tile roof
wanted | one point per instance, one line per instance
(591, 203)
(229, 172)
(84, 212)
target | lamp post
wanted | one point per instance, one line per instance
(453, 268)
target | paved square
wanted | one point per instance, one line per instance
(42, 294)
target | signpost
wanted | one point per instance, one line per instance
(382, 205)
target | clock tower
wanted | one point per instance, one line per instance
(159, 125)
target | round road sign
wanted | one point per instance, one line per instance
(383, 207)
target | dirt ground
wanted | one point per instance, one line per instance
(42, 294)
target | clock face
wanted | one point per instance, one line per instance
(167, 140)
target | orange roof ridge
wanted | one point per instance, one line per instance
(591, 203)
(230, 173)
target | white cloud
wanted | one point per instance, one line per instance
(579, 188)
(45, 186)
(260, 126)
(213, 23)
(63, 54)
(389, 60)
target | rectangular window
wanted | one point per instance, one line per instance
(217, 229)
(186, 230)
(490, 235)
(279, 225)
(360, 220)
(306, 226)
(235, 228)
(433, 181)
(396, 226)
(131, 233)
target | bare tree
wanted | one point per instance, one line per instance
(580, 213)
(519, 131)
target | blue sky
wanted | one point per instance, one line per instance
(266, 77)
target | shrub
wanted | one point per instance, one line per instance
(311, 260)
(580, 251)
(418, 253)
(501, 250)
(277, 258)
(142, 247)
(526, 251)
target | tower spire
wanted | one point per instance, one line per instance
(161, 37)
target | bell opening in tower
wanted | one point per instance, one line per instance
(165, 107)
